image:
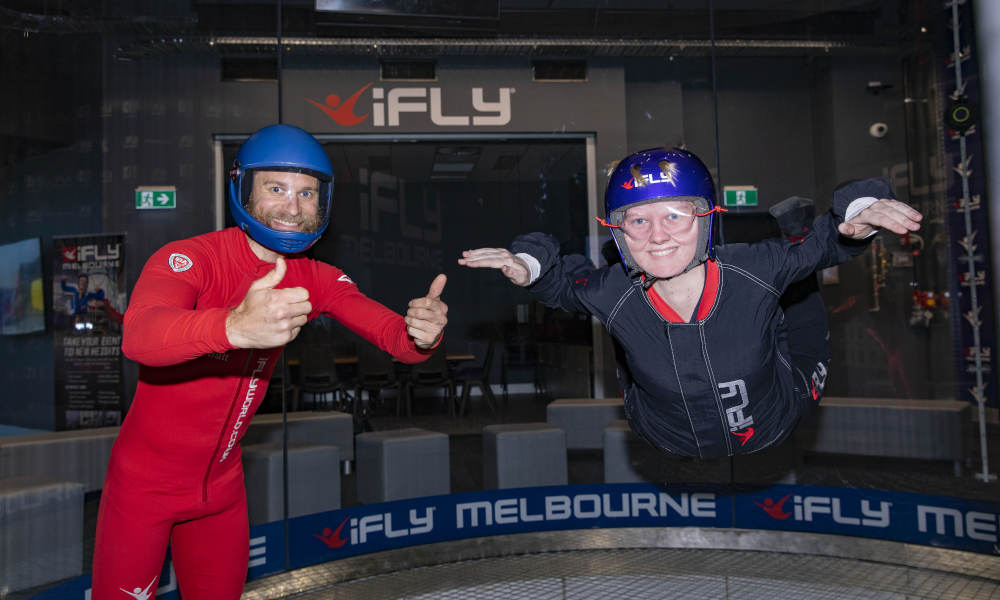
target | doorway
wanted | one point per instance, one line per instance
(405, 207)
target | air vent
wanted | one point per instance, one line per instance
(559, 70)
(408, 70)
(250, 69)
(454, 162)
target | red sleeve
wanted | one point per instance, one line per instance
(162, 326)
(339, 297)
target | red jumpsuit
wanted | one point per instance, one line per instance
(175, 472)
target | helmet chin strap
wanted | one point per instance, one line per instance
(632, 268)
(651, 279)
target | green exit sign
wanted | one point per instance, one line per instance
(148, 196)
(740, 195)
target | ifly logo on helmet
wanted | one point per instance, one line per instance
(668, 174)
(387, 104)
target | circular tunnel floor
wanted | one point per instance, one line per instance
(643, 573)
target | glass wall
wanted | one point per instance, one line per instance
(457, 132)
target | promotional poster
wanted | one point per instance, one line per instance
(87, 308)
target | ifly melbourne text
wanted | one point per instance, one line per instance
(512, 511)
(652, 508)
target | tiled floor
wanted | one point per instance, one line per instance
(655, 574)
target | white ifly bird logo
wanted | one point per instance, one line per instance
(142, 594)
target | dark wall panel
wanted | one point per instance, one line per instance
(50, 184)
(786, 125)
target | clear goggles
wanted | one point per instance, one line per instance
(673, 219)
(277, 185)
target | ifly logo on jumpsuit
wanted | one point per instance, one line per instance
(734, 414)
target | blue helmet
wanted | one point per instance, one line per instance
(655, 175)
(279, 148)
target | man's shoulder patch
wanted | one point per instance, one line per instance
(179, 263)
(343, 277)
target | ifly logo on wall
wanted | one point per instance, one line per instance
(372, 528)
(91, 253)
(937, 521)
(386, 107)
(379, 526)
(900, 516)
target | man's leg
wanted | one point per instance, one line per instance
(130, 546)
(210, 553)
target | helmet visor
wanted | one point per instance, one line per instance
(287, 199)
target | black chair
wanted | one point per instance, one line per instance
(432, 373)
(318, 376)
(376, 372)
(477, 375)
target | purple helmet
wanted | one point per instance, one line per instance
(655, 175)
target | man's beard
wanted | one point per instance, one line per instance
(307, 223)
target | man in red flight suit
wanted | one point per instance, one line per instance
(208, 318)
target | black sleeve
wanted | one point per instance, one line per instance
(846, 193)
(562, 278)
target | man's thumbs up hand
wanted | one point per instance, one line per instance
(426, 317)
(272, 277)
(437, 286)
(268, 317)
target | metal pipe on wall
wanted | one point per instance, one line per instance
(987, 24)
(964, 173)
